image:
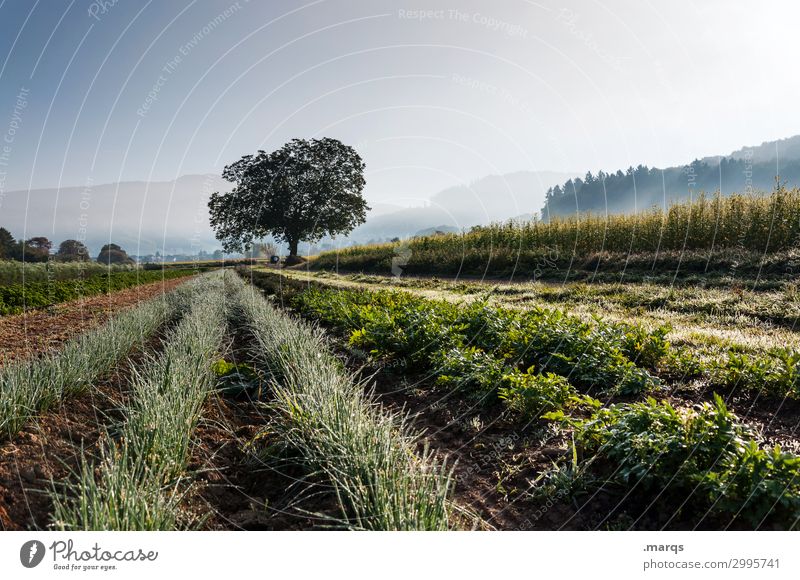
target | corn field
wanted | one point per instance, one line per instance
(709, 224)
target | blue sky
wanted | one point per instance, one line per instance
(431, 95)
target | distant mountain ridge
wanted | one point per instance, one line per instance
(746, 170)
(489, 199)
(143, 217)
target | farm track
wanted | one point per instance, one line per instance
(52, 447)
(32, 333)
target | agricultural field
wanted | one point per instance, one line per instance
(207, 408)
(712, 240)
(25, 287)
(265, 399)
(580, 406)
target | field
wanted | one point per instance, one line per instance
(206, 408)
(25, 287)
(582, 406)
(709, 240)
(287, 400)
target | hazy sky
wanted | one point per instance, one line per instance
(431, 93)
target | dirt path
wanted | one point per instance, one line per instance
(32, 333)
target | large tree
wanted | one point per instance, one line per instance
(72, 251)
(302, 192)
(113, 254)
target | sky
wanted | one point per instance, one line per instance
(432, 94)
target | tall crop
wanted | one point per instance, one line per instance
(744, 223)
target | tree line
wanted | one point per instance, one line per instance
(39, 249)
(643, 187)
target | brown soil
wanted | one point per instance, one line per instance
(238, 483)
(32, 333)
(50, 449)
(497, 460)
(238, 488)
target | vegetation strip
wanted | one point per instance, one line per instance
(704, 459)
(366, 453)
(138, 484)
(17, 298)
(33, 386)
(741, 234)
(13, 272)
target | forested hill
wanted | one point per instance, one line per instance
(643, 187)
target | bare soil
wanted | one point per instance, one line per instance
(33, 333)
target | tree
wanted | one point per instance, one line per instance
(72, 251)
(304, 191)
(34, 250)
(113, 254)
(7, 244)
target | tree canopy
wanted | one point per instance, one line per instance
(304, 191)
(7, 244)
(72, 251)
(113, 254)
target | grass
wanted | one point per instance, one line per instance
(137, 483)
(365, 453)
(710, 236)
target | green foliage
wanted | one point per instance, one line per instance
(303, 191)
(531, 395)
(776, 374)
(703, 456)
(480, 348)
(16, 298)
(236, 378)
(687, 236)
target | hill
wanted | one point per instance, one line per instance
(747, 170)
(143, 217)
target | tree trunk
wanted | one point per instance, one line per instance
(292, 248)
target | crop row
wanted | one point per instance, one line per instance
(365, 453)
(532, 359)
(477, 342)
(19, 297)
(32, 386)
(14, 272)
(703, 462)
(740, 230)
(137, 483)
